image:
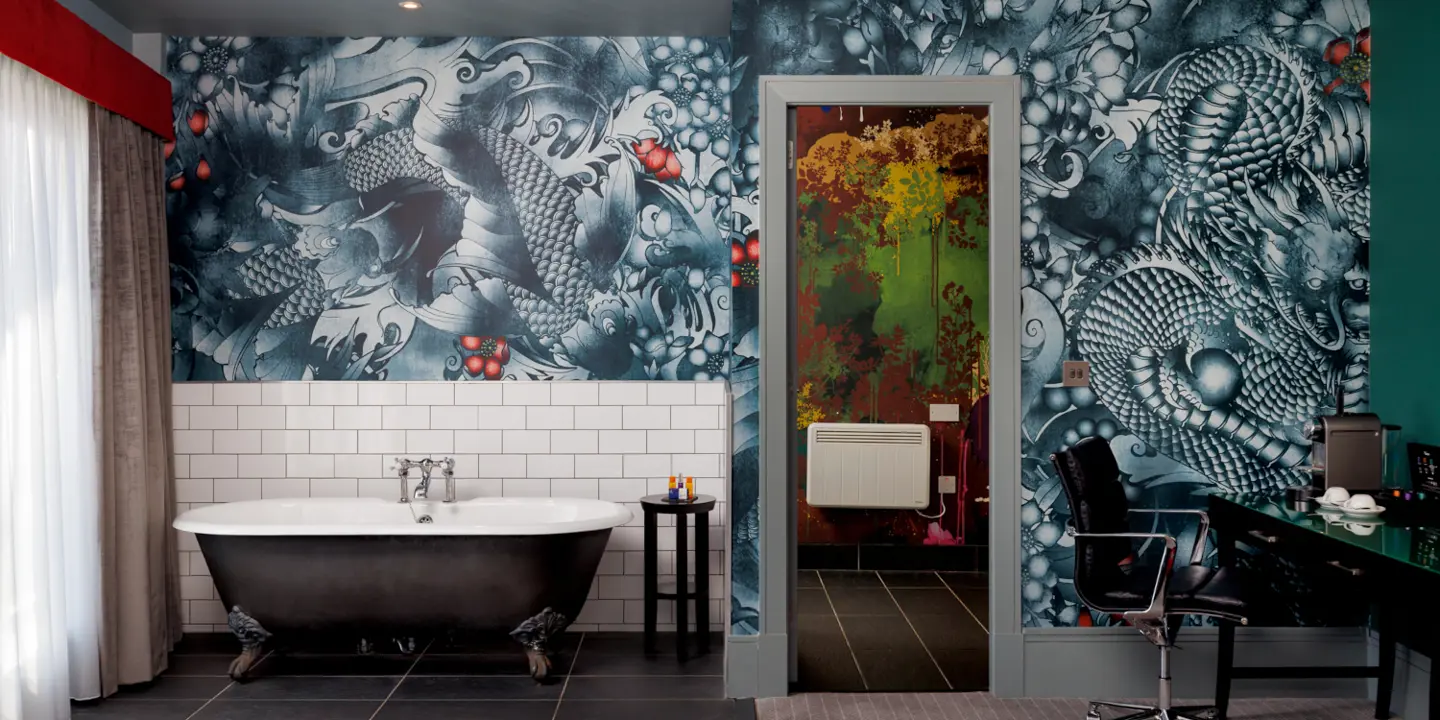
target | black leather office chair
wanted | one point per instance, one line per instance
(1111, 576)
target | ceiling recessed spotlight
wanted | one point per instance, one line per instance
(411, 5)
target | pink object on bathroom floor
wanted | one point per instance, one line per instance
(939, 536)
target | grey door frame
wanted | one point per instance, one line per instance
(761, 666)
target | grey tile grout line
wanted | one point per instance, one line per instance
(566, 686)
(836, 614)
(401, 681)
(228, 685)
(977, 620)
(948, 685)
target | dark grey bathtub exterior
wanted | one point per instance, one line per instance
(386, 586)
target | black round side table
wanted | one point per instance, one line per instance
(655, 506)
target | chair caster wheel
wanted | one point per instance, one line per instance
(1094, 713)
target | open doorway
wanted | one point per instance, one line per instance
(891, 305)
(894, 291)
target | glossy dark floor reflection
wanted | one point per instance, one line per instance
(598, 676)
(892, 631)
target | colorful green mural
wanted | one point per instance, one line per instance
(892, 295)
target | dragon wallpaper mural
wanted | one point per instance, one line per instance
(1195, 189)
(458, 208)
(892, 299)
(1195, 222)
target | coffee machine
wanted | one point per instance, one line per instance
(1346, 450)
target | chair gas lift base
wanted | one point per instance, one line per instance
(1110, 578)
(700, 507)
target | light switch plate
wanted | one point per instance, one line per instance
(1076, 373)
(944, 412)
(947, 484)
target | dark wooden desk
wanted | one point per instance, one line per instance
(1391, 559)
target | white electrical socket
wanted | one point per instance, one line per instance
(947, 484)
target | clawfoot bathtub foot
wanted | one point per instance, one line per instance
(535, 634)
(252, 638)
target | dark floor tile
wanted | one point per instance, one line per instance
(208, 644)
(467, 710)
(278, 664)
(966, 579)
(939, 601)
(849, 579)
(657, 665)
(476, 688)
(862, 601)
(824, 660)
(175, 688)
(497, 643)
(643, 688)
(807, 579)
(813, 602)
(891, 656)
(312, 688)
(902, 579)
(977, 600)
(490, 664)
(646, 710)
(133, 709)
(288, 710)
(614, 643)
(960, 647)
(212, 665)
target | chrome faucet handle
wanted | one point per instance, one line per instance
(447, 466)
(402, 466)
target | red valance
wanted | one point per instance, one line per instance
(45, 36)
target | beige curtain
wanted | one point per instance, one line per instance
(131, 287)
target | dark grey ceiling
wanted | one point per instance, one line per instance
(496, 18)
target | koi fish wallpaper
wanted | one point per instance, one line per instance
(892, 300)
(450, 208)
(1195, 224)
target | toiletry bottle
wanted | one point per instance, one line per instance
(689, 489)
(674, 492)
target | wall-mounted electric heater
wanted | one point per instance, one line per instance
(868, 465)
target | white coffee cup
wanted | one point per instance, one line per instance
(1336, 496)
(1360, 501)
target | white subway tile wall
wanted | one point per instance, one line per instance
(614, 441)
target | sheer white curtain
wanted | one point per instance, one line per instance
(49, 537)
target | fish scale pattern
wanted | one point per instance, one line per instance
(1125, 339)
(546, 211)
(389, 157)
(1235, 86)
(272, 271)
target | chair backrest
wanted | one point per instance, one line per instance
(1091, 479)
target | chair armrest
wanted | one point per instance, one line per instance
(1202, 537)
(1156, 609)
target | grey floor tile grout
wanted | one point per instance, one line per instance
(948, 685)
(573, 659)
(229, 685)
(843, 634)
(977, 620)
(411, 669)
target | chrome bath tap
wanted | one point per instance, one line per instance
(426, 466)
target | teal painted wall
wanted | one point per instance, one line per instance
(1405, 253)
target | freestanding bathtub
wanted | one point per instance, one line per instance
(382, 568)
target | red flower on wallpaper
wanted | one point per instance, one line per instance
(745, 261)
(489, 358)
(658, 160)
(1353, 59)
(199, 121)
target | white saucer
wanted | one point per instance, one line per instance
(1372, 512)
